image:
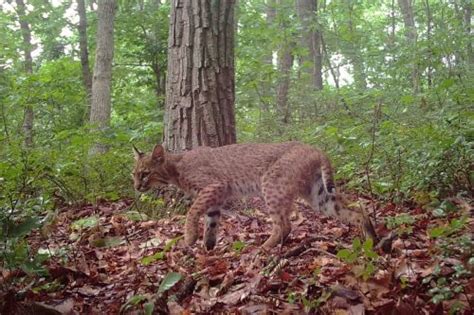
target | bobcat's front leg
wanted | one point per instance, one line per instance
(211, 197)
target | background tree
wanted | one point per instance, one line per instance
(284, 62)
(200, 82)
(28, 64)
(102, 79)
(406, 8)
(311, 60)
(84, 52)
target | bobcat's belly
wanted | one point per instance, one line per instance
(245, 188)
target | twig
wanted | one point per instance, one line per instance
(371, 155)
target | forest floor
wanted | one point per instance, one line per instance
(106, 261)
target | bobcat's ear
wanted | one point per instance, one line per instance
(158, 153)
(136, 153)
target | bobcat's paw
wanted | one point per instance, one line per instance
(271, 243)
(210, 241)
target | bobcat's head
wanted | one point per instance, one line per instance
(150, 169)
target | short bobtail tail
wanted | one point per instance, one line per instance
(324, 193)
(327, 175)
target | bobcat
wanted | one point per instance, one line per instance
(278, 172)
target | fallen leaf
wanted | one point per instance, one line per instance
(88, 291)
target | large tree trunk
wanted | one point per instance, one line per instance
(102, 80)
(200, 88)
(84, 51)
(406, 7)
(311, 40)
(26, 33)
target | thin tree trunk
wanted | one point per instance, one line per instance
(334, 75)
(200, 90)
(429, 20)
(468, 25)
(406, 7)
(354, 53)
(266, 94)
(318, 58)
(270, 19)
(102, 80)
(285, 63)
(157, 72)
(84, 51)
(26, 34)
(311, 39)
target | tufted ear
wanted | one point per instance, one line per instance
(158, 153)
(136, 153)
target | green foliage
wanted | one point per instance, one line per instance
(169, 281)
(446, 287)
(454, 226)
(161, 254)
(145, 301)
(454, 252)
(151, 206)
(238, 246)
(446, 207)
(403, 223)
(361, 256)
(310, 304)
(138, 300)
(85, 223)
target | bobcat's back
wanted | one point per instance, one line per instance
(239, 165)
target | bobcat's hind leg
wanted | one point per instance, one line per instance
(211, 227)
(281, 225)
(211, 197)
(279, 204)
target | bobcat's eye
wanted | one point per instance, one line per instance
(145, 174)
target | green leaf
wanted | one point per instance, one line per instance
(85, 223)
(344, 254)
(160, 255)
(457, 224)
(148, 308)
(132, 301)
(24, 227)
(135, 216)
(446, 84)
(171, 243)
(152, 258)
(437, 231)
(439, 212)
(356, 244)
(169, 281)
(368, 245)
(448, 205)
(238, 246)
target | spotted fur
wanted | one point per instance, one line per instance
(279, 173)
